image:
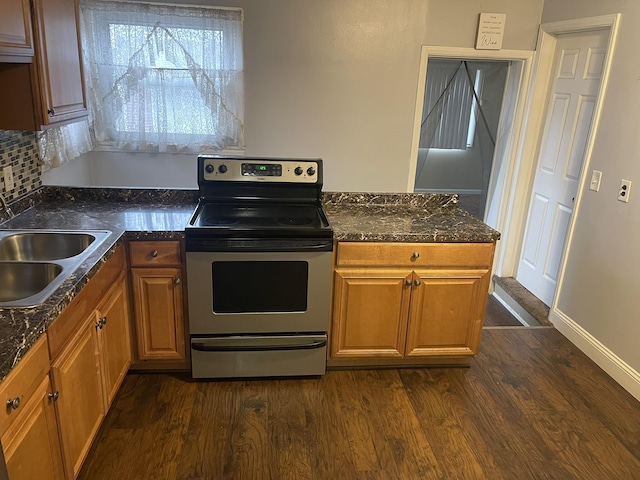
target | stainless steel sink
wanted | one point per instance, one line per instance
(39, 246)
(34, 263)
(21, 280)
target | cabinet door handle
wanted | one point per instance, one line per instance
(407, 282)
(415, 255)
(416, 283)
(154, 254)
(13, 403)
(54, 395)
(177, 281)
(103, 321)
(99, 325)
(51, 112)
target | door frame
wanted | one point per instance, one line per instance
(510, 137)
(529, 149)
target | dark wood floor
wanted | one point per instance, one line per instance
(531, 406)
(496, 315)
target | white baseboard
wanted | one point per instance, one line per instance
(617, 368)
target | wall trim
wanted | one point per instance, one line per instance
(606, 359)
(461, 191)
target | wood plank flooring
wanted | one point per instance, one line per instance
(531, 406)
(496, 315)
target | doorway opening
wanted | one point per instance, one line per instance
(460, 118)
(495, 122)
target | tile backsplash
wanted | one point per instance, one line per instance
(19, 150)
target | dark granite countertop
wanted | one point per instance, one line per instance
(154, 214)
(132, 214)
(367, 217)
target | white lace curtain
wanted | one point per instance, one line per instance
(158, 78)
(59, 145)
(163, 78)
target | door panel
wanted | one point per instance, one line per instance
(571, 104)
(370, 312)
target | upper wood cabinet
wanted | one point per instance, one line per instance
(398, 304)
(15, 31)
(48, 91)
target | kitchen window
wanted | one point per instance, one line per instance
(163, 77)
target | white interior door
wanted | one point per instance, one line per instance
(578, 69)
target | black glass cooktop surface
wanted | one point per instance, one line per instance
(212, 216)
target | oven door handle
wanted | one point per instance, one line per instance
(202, 347)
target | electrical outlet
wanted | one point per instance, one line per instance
(624, 191)
(8, 178)
(596, 177)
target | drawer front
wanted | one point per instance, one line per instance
(414, 254)
(160, 253)
(22, 382)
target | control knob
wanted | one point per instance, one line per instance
(298, 171)
(311, 171)
(209, 168)
(222, 168)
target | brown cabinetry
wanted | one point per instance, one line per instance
(28, 426)
(156, 274)
(91, 352)
(15, 30)
(49, 90)
(408, 303)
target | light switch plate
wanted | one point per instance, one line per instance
(8, 178)
(596, 178)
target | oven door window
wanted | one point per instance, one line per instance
(258, 287)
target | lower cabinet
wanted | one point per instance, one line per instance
(397, 304)
(81, 407)
(156, 278)
(29, 427)
(90, 349)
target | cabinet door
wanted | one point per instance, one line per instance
(158, 313)
(447, 310)
(370, 312)
(59, 60)
(31, 445)
(15, 28)
(80, 407)
(115, 341)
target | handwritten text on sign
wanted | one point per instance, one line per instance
(490, 31)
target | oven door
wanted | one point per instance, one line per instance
(258, 292)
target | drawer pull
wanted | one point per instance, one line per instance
(54, 395)
(415, 255)
(416, 283)
(154, 254)
(13, 403)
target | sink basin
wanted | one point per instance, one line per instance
(20, 280)
(44, 246)
(34, 263)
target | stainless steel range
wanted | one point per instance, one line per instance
(259, 255)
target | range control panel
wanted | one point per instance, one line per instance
(236, 169)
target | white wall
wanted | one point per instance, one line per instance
(600, 291)
(337, 79)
